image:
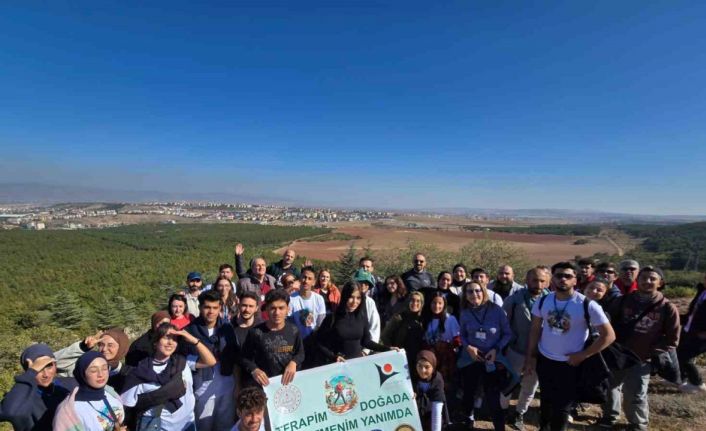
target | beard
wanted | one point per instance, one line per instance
(562, 287)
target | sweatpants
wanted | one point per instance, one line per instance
(528, 384)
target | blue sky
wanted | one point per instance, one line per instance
(578, 105)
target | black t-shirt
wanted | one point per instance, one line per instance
(347, 334)
(241, 334)
(271, 351)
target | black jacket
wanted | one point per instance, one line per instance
(29, 408)
(222, 344)
(698, 324)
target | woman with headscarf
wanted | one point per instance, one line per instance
(429, 392)
(142, 346)
(444, 286)
(460, 277)
(112, 343)
(406, 330)
(31, 403)
(165, 375)
(93, 405)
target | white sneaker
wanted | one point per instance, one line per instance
(690, 389)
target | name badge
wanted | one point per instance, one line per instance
(480, 335)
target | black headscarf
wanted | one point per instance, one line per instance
(85, 391)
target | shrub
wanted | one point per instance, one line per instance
(679, 292)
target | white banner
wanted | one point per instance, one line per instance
(373, 393)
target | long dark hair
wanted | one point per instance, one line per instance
(348, 289)
(428, 316)
(177, 297)
(232, 300)
(401, 291)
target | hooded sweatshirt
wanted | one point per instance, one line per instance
(658, 329)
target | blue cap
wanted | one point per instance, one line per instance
(193, 276)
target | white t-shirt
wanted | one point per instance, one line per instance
(182, 416)
(96, 416)
(564, 329)
(451, 330)
(308, 313)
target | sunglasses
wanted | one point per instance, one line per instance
(607, 271)
(418, 261)
(564, 276)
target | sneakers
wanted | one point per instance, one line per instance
(515, 421)
(691, 389)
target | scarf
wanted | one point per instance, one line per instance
(85, 391)
(144, 373)
(123, 341)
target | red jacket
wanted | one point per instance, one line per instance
(623, 290)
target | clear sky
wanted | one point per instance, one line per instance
(487, 104)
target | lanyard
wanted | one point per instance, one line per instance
(560, 314)
(112, 417)
(480, 321)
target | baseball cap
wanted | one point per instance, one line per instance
(193, 276)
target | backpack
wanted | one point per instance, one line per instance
(593, 375)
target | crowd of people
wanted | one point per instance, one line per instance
(472, 339)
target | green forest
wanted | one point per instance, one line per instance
(544, 229)
(58, 285)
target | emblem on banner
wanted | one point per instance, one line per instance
(385, 372)
(340, 394)
(287, 399)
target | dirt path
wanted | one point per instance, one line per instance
(619, 250)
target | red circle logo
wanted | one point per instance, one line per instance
(387, 368)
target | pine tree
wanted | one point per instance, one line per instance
(68, 311)
(346, 266)
(116, 311)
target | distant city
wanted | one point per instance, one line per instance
(40, 216)
(102, 215)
